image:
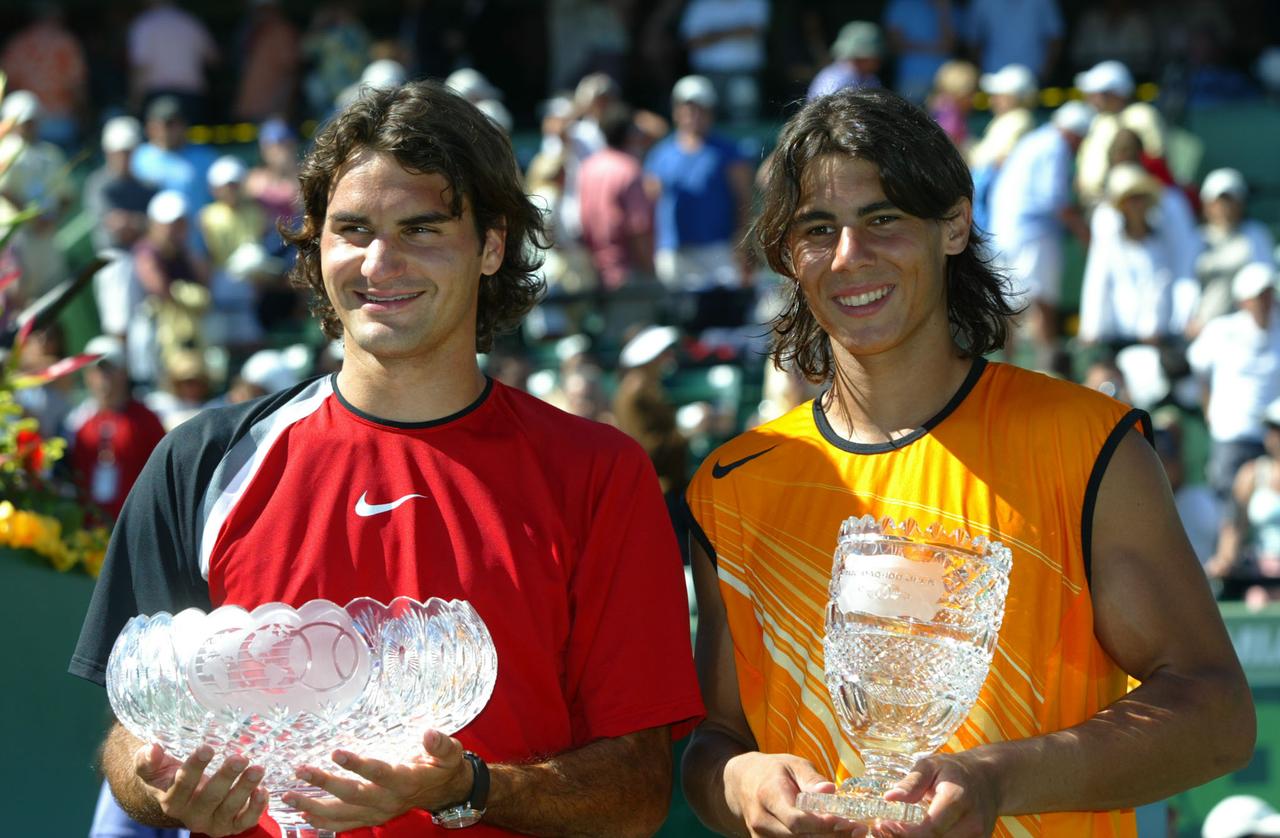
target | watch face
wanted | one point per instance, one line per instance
(457, 817)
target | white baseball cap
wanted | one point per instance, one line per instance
(226, 169)
(109, 349)
(167, 207)
(121, 133)
(1237, 816)
(267, 369)
(384, 72)
(1106, 77)
(1009, 80)
(472, 84)
(696, 89)
(20, 106)
(1221, 182)
(1251, 280)
(497, 112)
(1127, 179)
(1074, 117)
(648, 345)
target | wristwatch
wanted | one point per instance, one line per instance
(471, 810)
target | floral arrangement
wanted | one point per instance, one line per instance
(38, 511)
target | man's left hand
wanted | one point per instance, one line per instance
(435, 779)
(961, 796)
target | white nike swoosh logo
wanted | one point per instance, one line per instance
(364, 509)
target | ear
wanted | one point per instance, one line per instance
(956, 226)
(495, 247)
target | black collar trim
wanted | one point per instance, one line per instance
(829, 434)
(413, 426)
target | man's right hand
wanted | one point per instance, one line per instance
(761, 789)
(226, 802)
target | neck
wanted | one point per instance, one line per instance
(879, 398)
(409, 390)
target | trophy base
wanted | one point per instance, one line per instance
(862, 809)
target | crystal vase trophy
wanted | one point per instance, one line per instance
(912, 621)
(285, 687)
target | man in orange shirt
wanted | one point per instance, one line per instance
(868, 210)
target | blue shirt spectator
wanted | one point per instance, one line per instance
(922, 36)
(1004, 32)
(697, 205)
(167, 160)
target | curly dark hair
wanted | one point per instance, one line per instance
(429, 129)
(921, 172)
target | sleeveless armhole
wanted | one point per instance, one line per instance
(695, 530)
(1126, 423)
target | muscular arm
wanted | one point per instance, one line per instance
(1190, 721)
(1192, 718)
(732, 787)
(619, 786)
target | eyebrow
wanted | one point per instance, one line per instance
(862, 212)
(410, 221)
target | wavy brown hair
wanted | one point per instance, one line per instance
(429, 130)
(921, 172)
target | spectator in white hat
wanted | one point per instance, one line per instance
(1133, 290)
(1241, 816)
(472, 85)
(32, 174)
(378, 74)
(702, 186)
(232, 221)
(233, 218)
(113, 194)
(1237, 358)
(118, 199)
(856, 55)
(1231, 240)
(1011, 96)
(1172, 216)
(1031, 209)
(1109, 87)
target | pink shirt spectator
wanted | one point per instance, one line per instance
(168, 50)
(616, 214)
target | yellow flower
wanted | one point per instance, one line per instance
(93, 562)
(26, 529)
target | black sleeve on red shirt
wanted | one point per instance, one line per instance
(153, 560)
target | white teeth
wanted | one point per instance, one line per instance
(863, 299)
(372, 298)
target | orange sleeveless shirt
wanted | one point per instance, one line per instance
(1016, 456)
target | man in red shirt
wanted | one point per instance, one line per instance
(115, 433)
(410, 473)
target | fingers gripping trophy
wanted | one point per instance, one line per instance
(284, 687)
(912, 621)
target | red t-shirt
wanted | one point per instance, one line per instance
(116, 443)
(551, 526)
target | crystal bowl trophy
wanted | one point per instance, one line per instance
(285, 687)
(912, 621)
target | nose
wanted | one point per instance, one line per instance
(382, 260)
(850, 250)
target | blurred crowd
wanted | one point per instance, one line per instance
(171, 137)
